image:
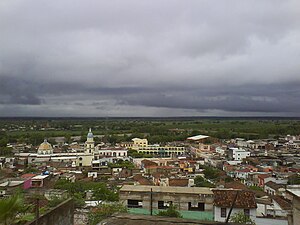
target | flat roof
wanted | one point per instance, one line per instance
(40, 177)
(295, 192)
(168, 189)
(11, 183)
(197, 137)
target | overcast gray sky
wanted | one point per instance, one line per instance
(149, 58)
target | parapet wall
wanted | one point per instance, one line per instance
(63, 214)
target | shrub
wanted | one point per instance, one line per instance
(241, 218)
(170, 212)
(103, 211)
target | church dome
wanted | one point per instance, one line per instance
(90, 134)
(45, 148)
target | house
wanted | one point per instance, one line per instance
(10, 185)
(294, 193)
(279, 207)
(148, 166)
(261, 179)
(238, 154)
(220, 150)
(141, 180)
(181, 182)
(119, 153)
(241, 200)
(273, 188)
(242, 173)
(27, 180)
(263, 203)
(232, 185)
(39, 181)
(160, 197)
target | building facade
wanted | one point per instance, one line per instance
(161, 197)
(238, 154)
(241, 200)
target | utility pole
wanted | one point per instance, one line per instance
(37, 210)
(151, 200)
(227, 219)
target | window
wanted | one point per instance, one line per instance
(131, 203)
(199, 206)
(223, 212)
(163, 205)
(160, 205)
(247, 212)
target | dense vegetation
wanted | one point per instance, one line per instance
(202, 182)
(13, 210)
(78, 190)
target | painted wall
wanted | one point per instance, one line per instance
(27, 184)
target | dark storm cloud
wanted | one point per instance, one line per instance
(144, 57)
(17, 91)
(262, 98)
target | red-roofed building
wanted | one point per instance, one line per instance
(261, 179)
(242, 201)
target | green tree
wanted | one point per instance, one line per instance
(256, 188)
(6, 151)
(53, 202)
(31, 169)
(68, 137)
(78, 189)
(122, 164)
(11, 209)
(3, 142)
(241, 218)
(294, 179)
(201, 182)
(104, 211)
(211, 173)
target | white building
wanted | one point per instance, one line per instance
(45, 154)
(220, 150)
(119, 153)
(238, 153)
(244, 201)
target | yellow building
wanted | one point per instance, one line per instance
(141, 146)
(139, 143)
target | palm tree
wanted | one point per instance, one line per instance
(9, 208)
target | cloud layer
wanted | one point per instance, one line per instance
(149, 58)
